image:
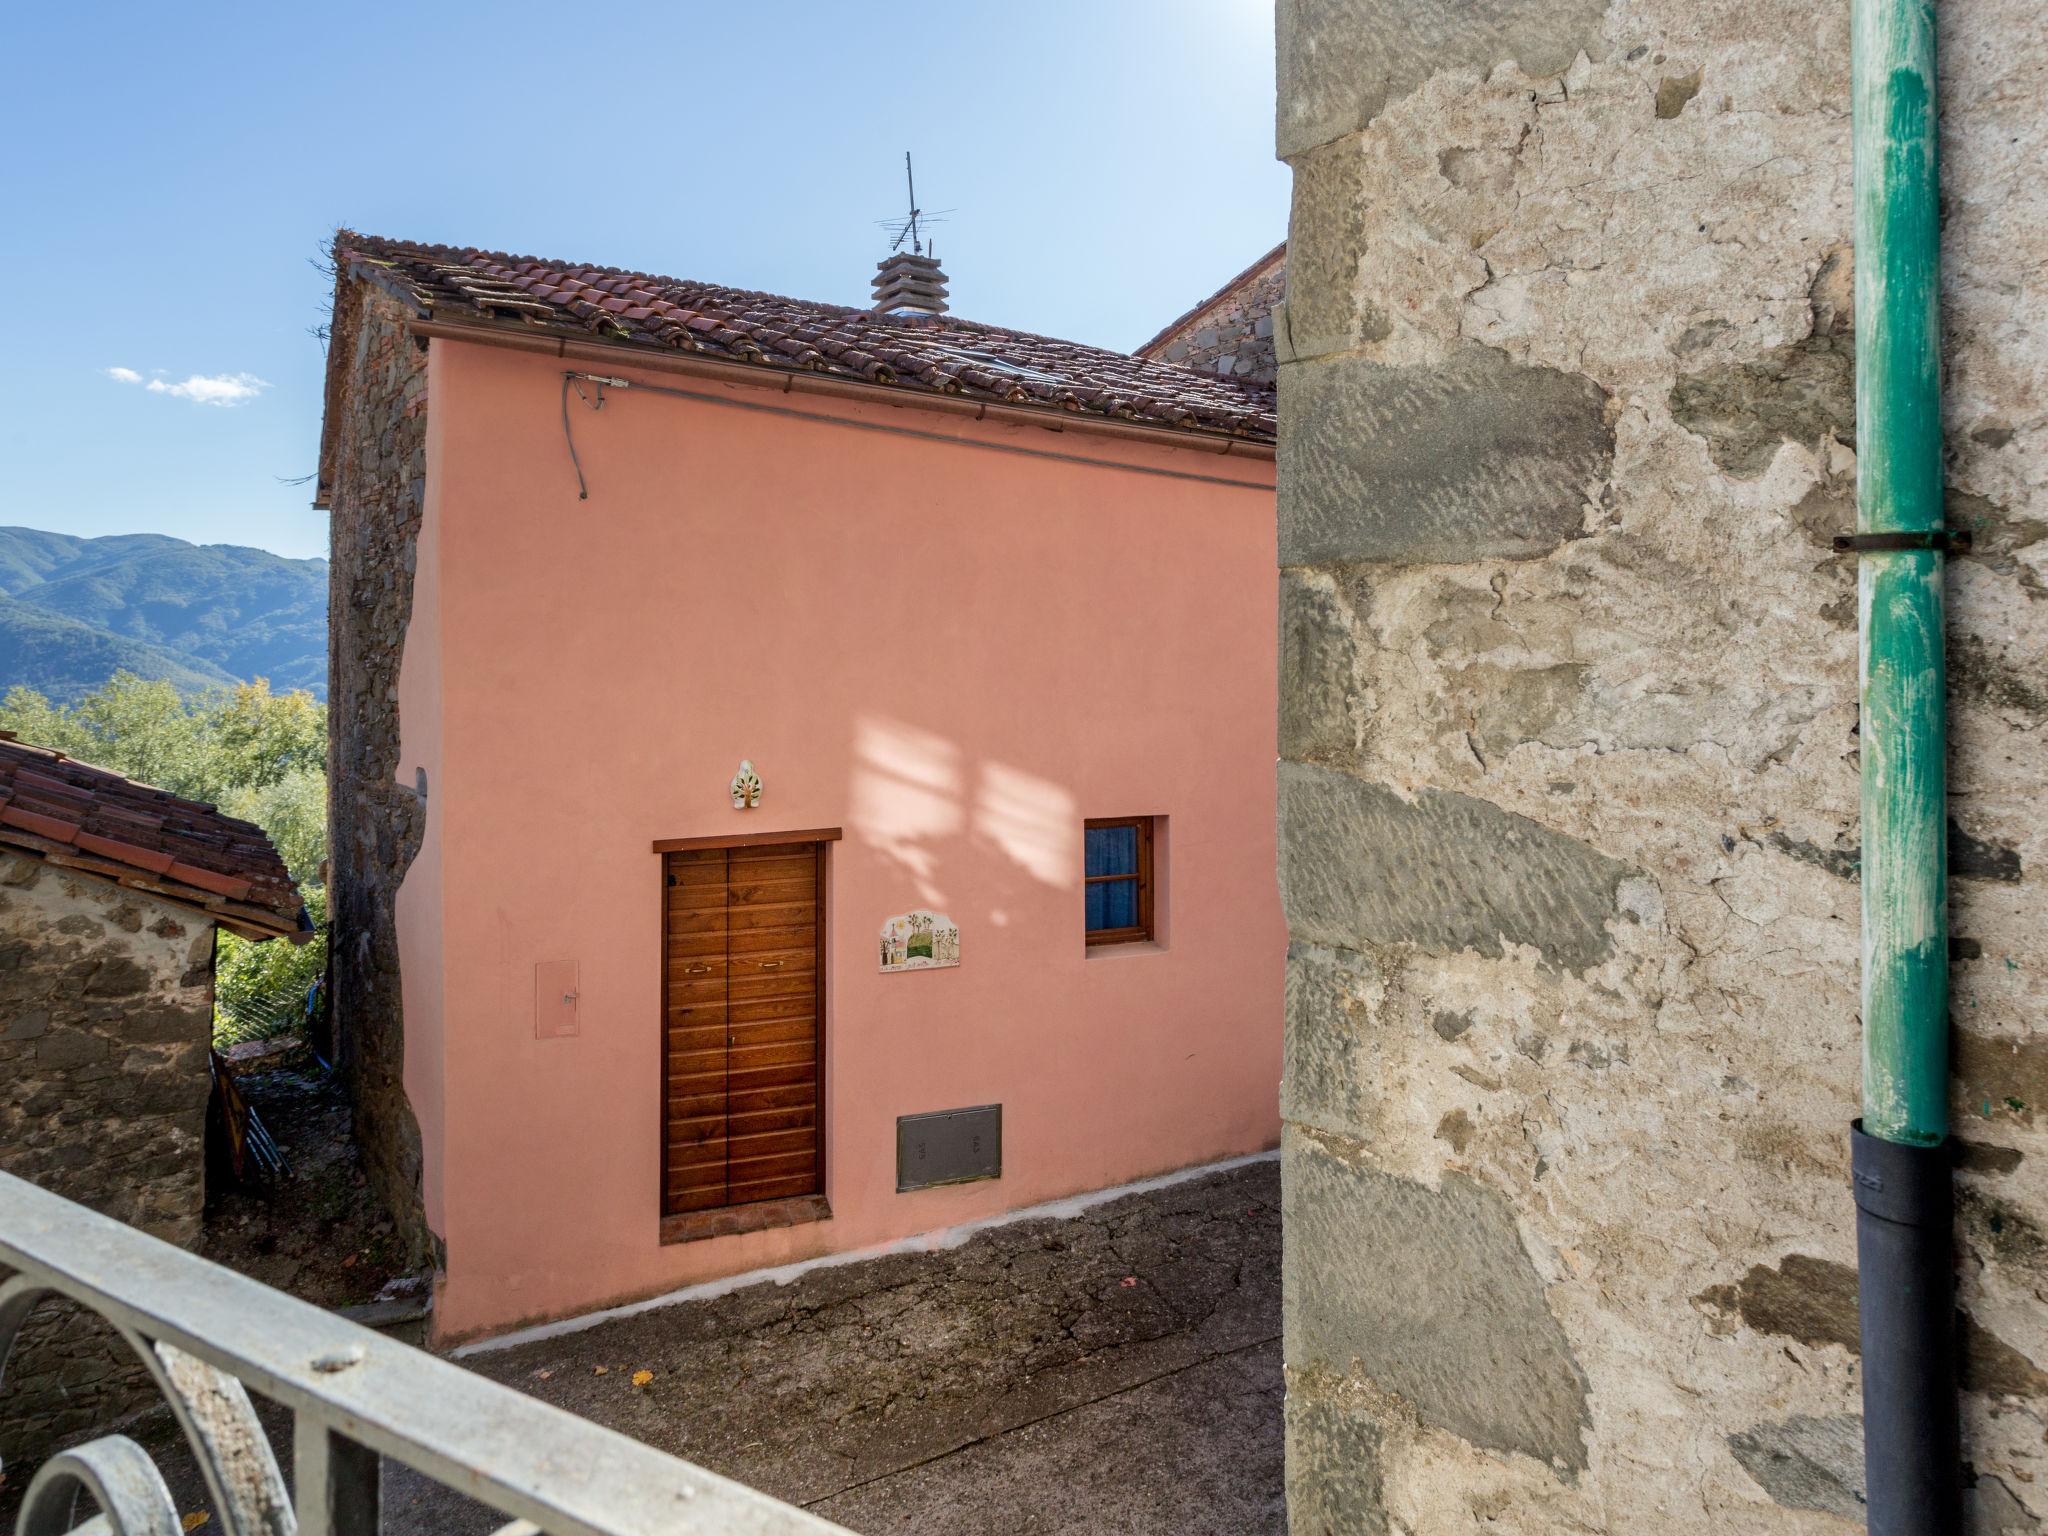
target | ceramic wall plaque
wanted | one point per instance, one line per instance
(746, 787)
(920, 941)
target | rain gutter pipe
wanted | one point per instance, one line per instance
(1899, 1151)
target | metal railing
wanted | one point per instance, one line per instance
(207, 1336)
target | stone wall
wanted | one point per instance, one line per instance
(1230, 334)
(106, 1014)
(373, 476)
(1569, 782)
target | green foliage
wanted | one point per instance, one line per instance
(263, 740)
(257, 755)
(252, 980)
(293, 810)
(204, 746)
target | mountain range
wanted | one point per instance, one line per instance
(75, 611)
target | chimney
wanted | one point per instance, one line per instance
(910, 284)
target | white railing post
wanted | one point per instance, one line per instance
(208, 1336)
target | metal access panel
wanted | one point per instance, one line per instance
(949, 1146)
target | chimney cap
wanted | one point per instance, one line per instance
(909, 283)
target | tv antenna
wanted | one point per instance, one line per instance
(913, 228)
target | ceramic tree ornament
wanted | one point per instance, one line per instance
(746, 786)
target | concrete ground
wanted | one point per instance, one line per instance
(1115, 1373)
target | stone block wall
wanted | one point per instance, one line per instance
(373, 477)
(1568, 791)
(106, 1016)
(1231, 334)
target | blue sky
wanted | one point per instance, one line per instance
(171, 170)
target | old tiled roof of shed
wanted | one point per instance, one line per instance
(181, 851)
(924, 354)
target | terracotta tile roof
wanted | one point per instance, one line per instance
(88, 818)
(929, 354)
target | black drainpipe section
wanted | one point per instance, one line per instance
(1912, 1453)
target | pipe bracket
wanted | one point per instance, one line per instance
(1947, 541)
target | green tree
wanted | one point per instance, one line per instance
(251, 981)
(204, 747)
(293, 810)
(259, 738)
(143, 729)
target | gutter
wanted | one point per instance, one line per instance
(1900, 1155)
(799, 381)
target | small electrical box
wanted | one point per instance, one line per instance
(949, 1146)
(555, 995)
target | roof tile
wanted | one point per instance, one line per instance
(918, 353)
(189, 851)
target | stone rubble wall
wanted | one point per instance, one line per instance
(376, 482)
(1233, 336)
(1568, 795)
(106, 1016)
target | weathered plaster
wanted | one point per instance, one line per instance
(1614, 661)
(1341, 61)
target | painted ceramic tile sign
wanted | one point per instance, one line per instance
(920, 941)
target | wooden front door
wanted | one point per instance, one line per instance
(745, 1026)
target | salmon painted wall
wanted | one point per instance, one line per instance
(954, 654)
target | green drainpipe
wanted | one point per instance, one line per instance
(1899, 1149)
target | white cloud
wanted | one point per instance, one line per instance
(213, 388)
(202, 388)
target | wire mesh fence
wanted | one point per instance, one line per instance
(240, 1020)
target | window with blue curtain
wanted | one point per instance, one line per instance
(1117, 878)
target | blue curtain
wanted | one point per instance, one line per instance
(1112, 851)
(1113, 904)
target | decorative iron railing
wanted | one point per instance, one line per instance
(207, 1335)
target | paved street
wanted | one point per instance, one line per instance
(1118, 1371)
(1114, 1373)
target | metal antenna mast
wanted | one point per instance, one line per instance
(914, 228)
(910, 181)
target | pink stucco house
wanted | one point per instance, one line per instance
(989, 915)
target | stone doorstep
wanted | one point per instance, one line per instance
(404, 1310)
(408, 1326)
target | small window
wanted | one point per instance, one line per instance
(1119, 879)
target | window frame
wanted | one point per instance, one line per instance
(1142, 932)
